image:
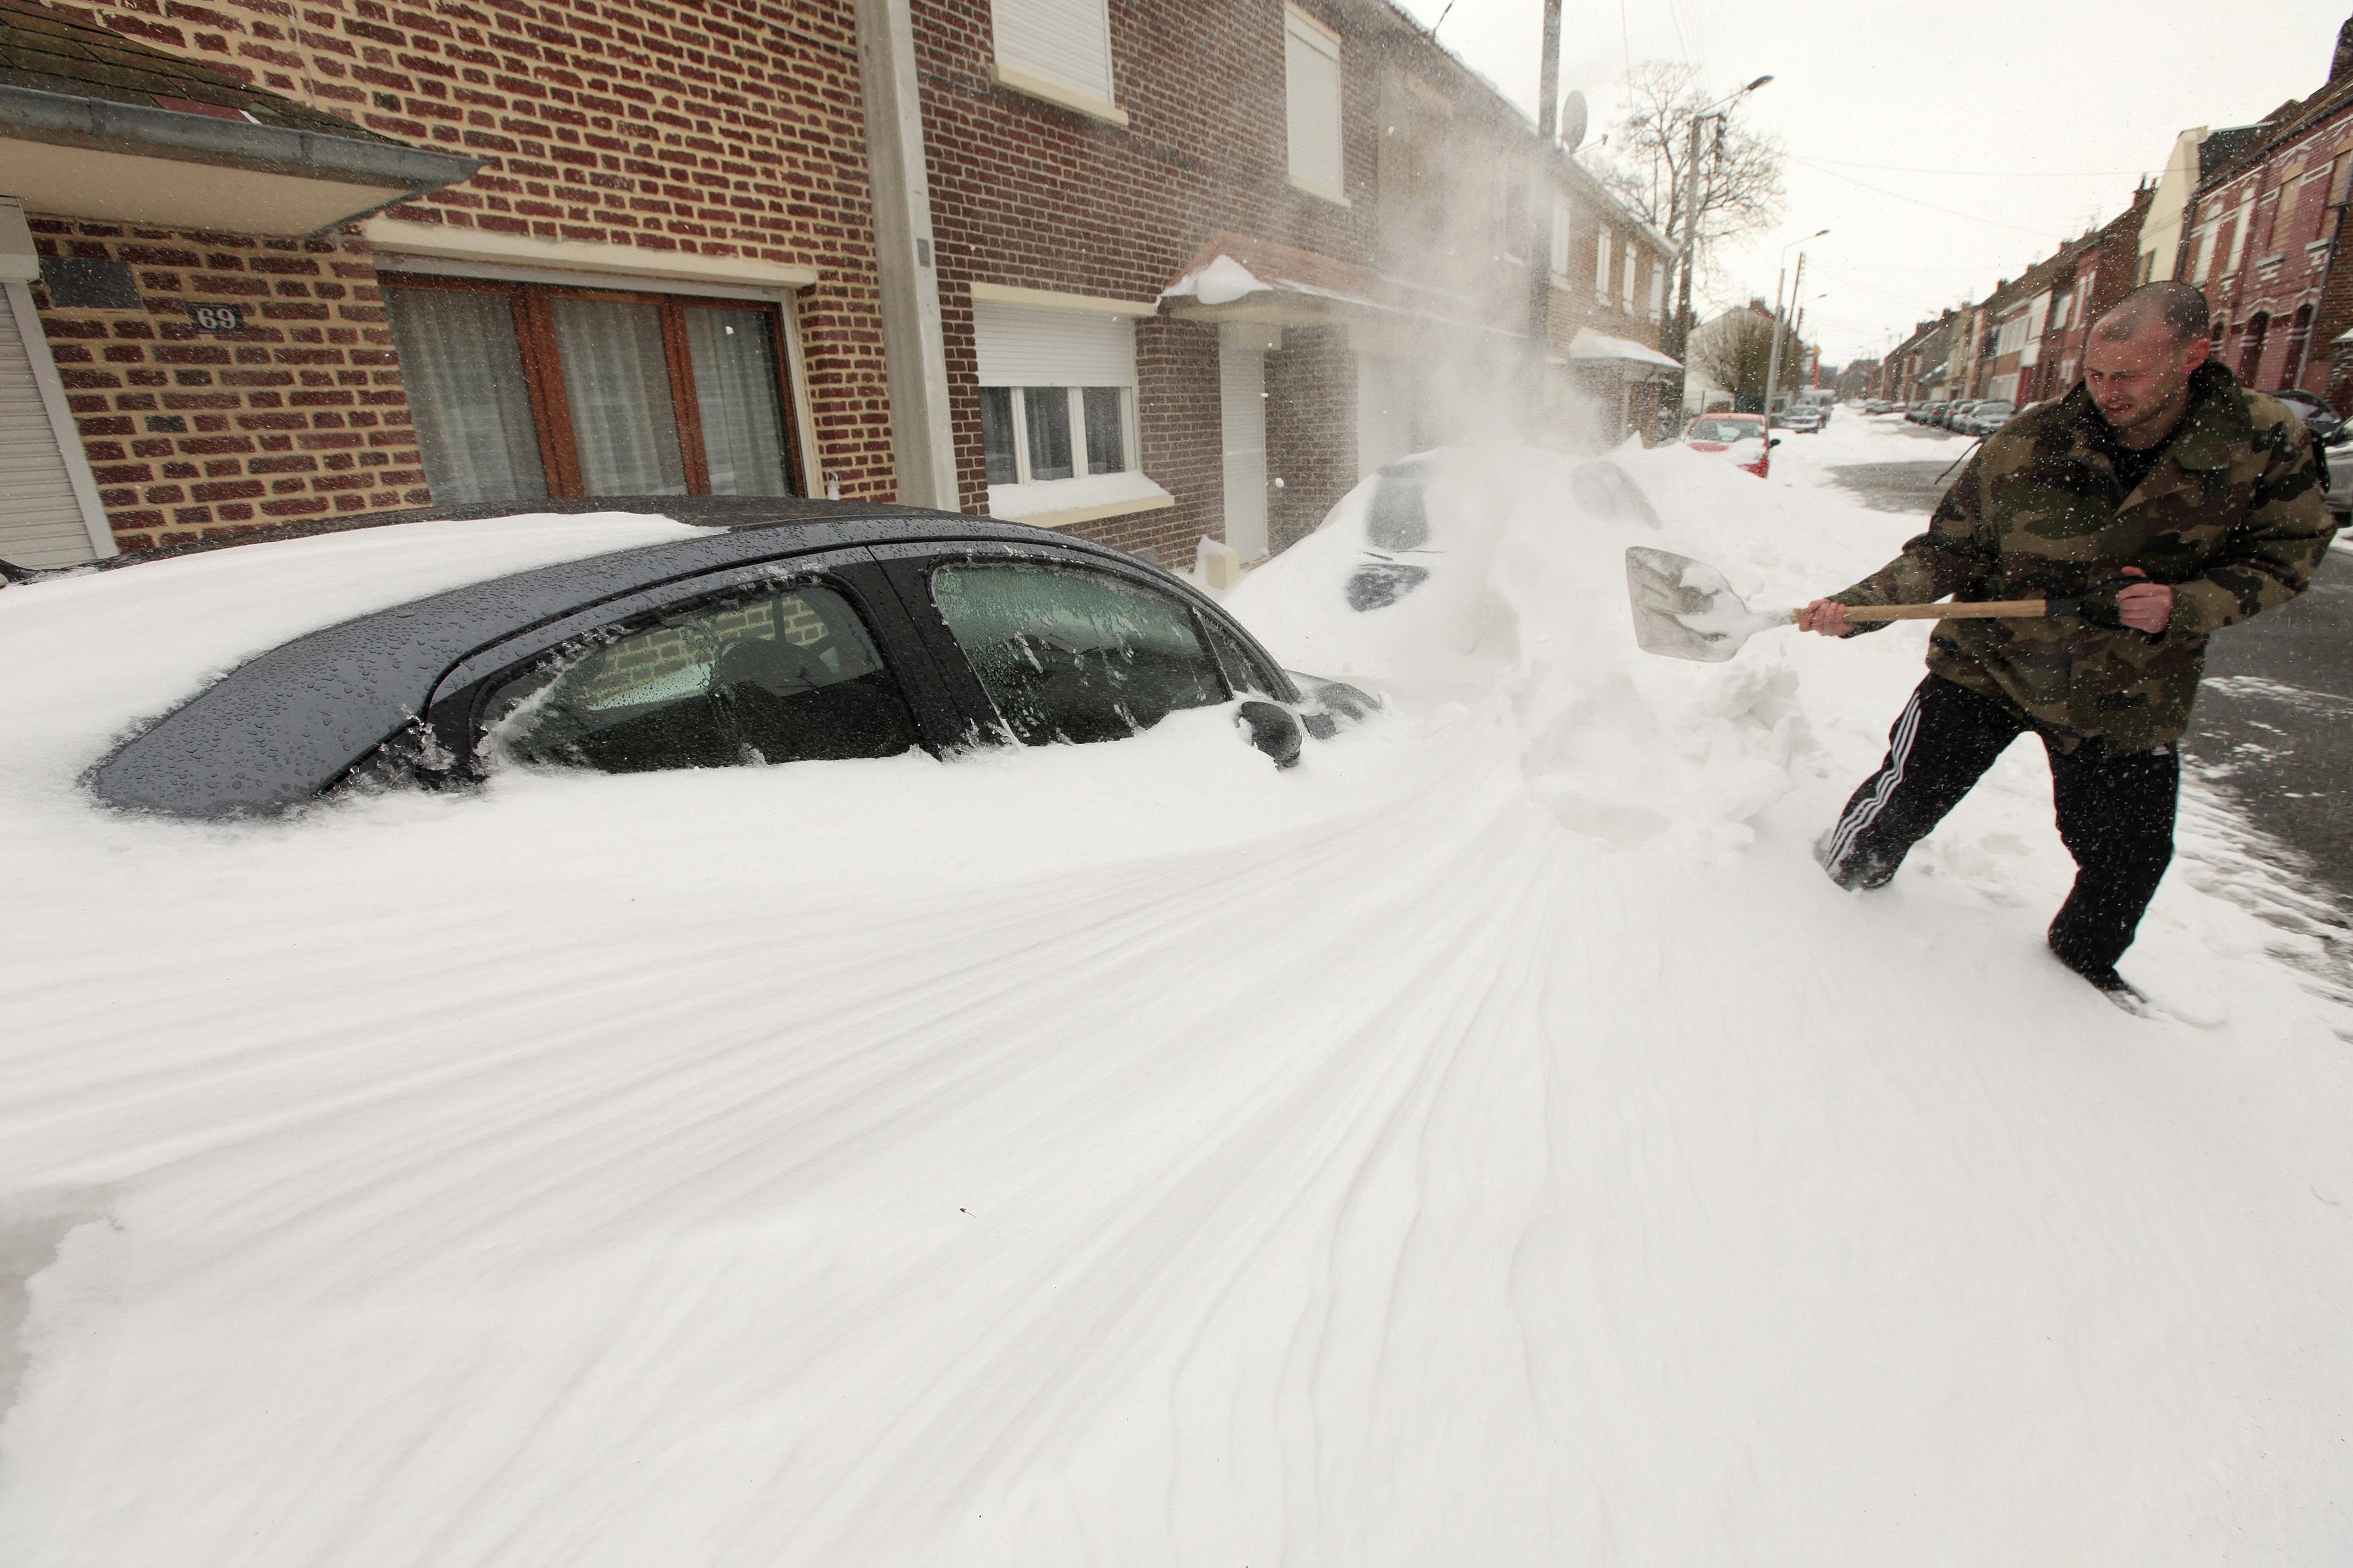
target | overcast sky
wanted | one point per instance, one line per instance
(2019, 119)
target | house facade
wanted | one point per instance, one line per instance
(1059, 260)
(655, 274)
(2264, 230)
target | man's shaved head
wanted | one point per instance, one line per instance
(2179, 306)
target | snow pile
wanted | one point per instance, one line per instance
(1491, 1141)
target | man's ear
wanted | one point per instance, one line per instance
(2196, 351)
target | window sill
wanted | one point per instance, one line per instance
(1060, 94)
(1322, 192)
(1064, 503)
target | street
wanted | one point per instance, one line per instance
(2269, 731)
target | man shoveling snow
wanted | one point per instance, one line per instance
(2172, 503)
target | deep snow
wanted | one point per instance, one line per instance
(1492, 1143)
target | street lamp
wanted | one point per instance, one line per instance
(1773, 368)
(1679, 328)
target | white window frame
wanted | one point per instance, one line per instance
(1080, 468)
(1303, 31)
(1561, 214)
(1626, 274)
(1096, 100)
(1603, 241)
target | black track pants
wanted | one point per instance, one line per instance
(2114, 810)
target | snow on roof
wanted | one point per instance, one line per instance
(1589, 344)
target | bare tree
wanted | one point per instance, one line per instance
(1737, 186)
(1736, 352)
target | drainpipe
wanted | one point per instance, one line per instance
(914, 350)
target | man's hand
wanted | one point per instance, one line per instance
(1827, 617)
(2145, 606)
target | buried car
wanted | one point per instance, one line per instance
(778, 631)
(1726, 432)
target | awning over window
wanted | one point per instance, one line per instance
(94, 125)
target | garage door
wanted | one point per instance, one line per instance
(42, 517)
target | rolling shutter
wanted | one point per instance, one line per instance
(1312, 79)
(1020, 347)
(42, 520)
(1067, 41)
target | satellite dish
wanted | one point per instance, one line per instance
(1572, 120)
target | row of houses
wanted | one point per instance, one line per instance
(2252, 214)
(1148, 273)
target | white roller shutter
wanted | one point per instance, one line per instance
(1312, 79)
(47, 500)
(1022, 347)
(1068, 41)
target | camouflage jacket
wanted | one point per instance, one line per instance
(2233, 516)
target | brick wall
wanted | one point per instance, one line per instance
(299, 416)
(1183, 444)
(1311, 429)
(733, 129)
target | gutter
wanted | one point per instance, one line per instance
(107, 126)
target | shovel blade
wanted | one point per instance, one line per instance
(1685, 609)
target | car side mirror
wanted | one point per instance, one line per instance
(1774, 442)
(1272, 729)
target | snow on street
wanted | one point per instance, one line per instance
(1494, 1143)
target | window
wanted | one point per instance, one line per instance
(1057, 393)
(1512, 214)
(1060, 49)
(1601, 264)
(769, 675)
(1312, 100)
(522, 392)
(1560, 220)
(1658, 290)
(1626, 274)
(1074, 657)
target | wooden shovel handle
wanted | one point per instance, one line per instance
(1987, 610)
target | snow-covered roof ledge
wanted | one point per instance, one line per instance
(1064, 503)
(1589, 344)
(1221, 282)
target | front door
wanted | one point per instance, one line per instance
(1241, 377)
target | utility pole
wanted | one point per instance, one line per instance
(1540, 200)
(1773, 370)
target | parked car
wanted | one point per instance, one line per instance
(1805, 419)
(1726, 432)
(2338, 452)
(1985, 418)
(2318, 416)
(1931, 411)
(788, 631)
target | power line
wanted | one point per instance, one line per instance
(2044, 234)
(1988, 173)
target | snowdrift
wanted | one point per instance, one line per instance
(1491, 1142)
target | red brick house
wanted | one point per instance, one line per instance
(638, 257)
(1197, 272)
(2263, 239)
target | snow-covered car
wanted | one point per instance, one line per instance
(1804, 418)
(782, 631)
(2318, 417)
(1729, 432)
(1984, 418)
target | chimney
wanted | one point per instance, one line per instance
(2340, 64)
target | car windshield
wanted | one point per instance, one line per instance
(1725, 430)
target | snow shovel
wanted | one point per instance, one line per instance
(1686, 609)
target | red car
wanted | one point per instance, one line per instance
(1725, 432)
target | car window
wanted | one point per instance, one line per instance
(768, 675)
(1242, 669)
(1072, 656)
(1725, 430)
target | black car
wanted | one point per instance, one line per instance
(789, 631)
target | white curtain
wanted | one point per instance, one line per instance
(462, 363)
(734, 356)
(617, 380)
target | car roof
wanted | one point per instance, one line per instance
(283, 726)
